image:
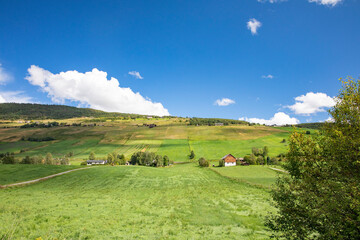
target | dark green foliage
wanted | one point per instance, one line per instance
(40, 125)
(7, 158)
(307, 132)
(203, 162)
(283, 141)
(38, 139)
(166, 160)
(41, 111)
(212, 121)
(192, 154)
(222, 163)
(149, 159)
(320, 198)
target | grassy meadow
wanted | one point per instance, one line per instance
(135, 202)
(13, 173)
(171, 137)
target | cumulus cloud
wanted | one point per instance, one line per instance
(331, 3)
(253, 25)
(330, 119)
(92, 89)
(268, 76)
(224, 102)
(4, 76)
(312, 103)
(278, 119)
(14, 96)
(135, 74)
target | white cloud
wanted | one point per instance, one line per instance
(268, 76)
(329, 119)
(135, 74)
(14, 96)
(93, 89)
(331, 3)
(224, 102)
(253, 25)
(4, 76)
(279, 119)
(312, 103)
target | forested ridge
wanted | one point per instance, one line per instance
(42, 111)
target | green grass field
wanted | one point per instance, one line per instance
(131, 202)
(13, 173)
(254, 175)
(171, 137)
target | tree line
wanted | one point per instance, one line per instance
(9, 158)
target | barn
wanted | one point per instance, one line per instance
(229, 160)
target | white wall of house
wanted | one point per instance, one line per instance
(230, 164)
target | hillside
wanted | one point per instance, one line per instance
(30, 111)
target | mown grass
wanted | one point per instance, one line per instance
(216, 149)
(255, 175)
(13, 173)
(177, 150)
(130, 202)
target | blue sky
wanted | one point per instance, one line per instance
(182, 56)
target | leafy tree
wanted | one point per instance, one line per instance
(320, 198)
(265, 151)
(221, 163)
(26, 160)
(192, 154)
(8, 158)
(166, 160)
(110, 159)
(203, 162)
(92, 156)
(49, 160)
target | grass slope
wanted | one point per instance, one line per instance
(255, 175)
(130, 202)
(10, 173)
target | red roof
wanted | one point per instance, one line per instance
(229, 158)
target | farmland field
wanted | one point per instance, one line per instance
(134, 202)
(171, 137)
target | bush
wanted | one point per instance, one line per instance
(7, 158)
(203, 162)
(222, 163)
(83, 163)
(192, 154)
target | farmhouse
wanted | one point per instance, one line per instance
(219, 124)
(95, 162)
(229, 160)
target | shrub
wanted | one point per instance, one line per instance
(222, 163)
(192, 154)
(83, 163)
(203, 162)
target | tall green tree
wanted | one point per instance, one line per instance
(320, 198)
(92, 156)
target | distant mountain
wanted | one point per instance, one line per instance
(41, 111)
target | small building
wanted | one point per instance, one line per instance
(229, 160)
(219, 124)
(96, 162)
